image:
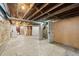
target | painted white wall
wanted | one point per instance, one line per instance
(35, 30)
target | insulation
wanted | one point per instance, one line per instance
(67, 32)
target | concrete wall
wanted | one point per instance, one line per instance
(66, 31)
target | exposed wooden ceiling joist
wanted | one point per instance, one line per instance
(38, 10)
(12, 9)
(28, 10)
(17, 11)
(71, 14)
(62, 10)
(48, 10)
(44, 11)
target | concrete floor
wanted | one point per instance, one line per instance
(20, 45)
(32, 46)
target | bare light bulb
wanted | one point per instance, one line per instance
(23, 7)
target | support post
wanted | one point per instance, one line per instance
(41, 31)
(50, 32)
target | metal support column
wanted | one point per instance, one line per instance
(50, 32)
(41, 31)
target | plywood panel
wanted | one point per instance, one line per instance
(67, 32)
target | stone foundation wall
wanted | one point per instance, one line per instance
(4, 31)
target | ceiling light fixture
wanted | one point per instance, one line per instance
(23, 7)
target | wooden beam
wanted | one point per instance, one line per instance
(70, 13)
(49, 10)
(17, 11)
(29, 10)
(62, 10)
(18, 19)
(24, 20)
(9, 8)
(38, 10)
